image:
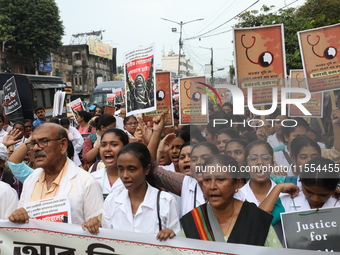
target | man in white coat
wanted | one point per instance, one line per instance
(56, 175)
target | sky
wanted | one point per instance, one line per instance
(133, 23)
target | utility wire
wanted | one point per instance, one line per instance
(198, 36)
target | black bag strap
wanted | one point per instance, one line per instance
(158, 208)
(289, 160)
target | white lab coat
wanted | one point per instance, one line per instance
(8, 200)
(83, 190)
(117, 212)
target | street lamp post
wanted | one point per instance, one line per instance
(3, 53)
(180, 39)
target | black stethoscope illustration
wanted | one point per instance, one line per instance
(196, 96)
(265, 59)
(299, 81)
(328, 53)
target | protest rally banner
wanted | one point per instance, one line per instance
(56, 209)
(321, 61)
(110, 99)
(76, 105)
(58, 103)
(193, 101)
(260, 62)
(11, 96)
(41, 237)
(316, 229)
(110, 109)
(314, 105)
(163, 99)
(140, 80)
(118, 96)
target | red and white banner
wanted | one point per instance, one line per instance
(42, 238)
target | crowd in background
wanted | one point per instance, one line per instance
(152, 178)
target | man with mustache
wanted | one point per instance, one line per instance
(56, 175)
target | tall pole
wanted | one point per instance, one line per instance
(212, 67)
(180, 39)
(180, 48)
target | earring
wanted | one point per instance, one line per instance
(236, 190)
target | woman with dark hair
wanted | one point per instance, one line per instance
(83, 118)
(224, 218)
(236, 148)
(187, 187)
(112, 141)
(92, 142)
(135, 207)
(130, 125)
(259, 163)
(181, 138)
(317, 188)
(223, 136)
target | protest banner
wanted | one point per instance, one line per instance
(139, 80)
(316, 229)
(41, 237)
(314, 105)
(110, 109)
(321, 63)
(110, 99)
(118, 96)
(76, 105)
(11, 96)
(56, 209)
(260, 62)
(163, 99)
(58, 103)
(193, 101)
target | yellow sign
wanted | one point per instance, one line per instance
(99, 49)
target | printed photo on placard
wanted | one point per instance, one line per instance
(140, 80)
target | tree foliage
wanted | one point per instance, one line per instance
(320, 12)
(32, 29)
(292, 24)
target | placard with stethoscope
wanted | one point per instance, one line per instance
(260, 61)
(319, 49)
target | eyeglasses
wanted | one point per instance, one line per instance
(121, 113)
(42, 143)
(255, 158)
(132, 123)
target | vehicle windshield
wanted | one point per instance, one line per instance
(99, 99)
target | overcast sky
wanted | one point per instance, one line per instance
(128, 24)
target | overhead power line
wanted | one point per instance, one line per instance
(198, 36)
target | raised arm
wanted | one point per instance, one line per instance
(158, 125)
(269, 203)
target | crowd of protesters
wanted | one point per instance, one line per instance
(124, 174)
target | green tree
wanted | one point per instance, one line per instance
(292, 24)
(32, 29)
(320, 12)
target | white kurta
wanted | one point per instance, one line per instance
(117, 212)
(101, 176)
(8, 200)
(188, 195)
(301, 203)
(246, 193)
(83, 190)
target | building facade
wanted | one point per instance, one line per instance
(82, 69)
(170, 63)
